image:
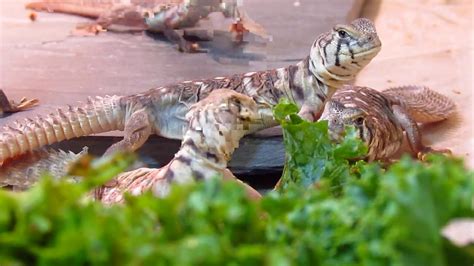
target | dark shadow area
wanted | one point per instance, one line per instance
(4, 115)
(258, 161)
(220, 47)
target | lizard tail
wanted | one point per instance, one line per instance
(67, 8)
(22, 174)
(101, 114)
(423, 104)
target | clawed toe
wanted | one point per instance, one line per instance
(422, 155)
(26, 104)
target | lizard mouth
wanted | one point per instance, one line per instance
(372, 50)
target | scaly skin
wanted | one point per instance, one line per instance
(335, 58)
(163, 16)
(23, 172)
(216, 124)
(7, 106)
(382, 117)
(422, 104)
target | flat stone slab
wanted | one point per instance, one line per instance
(42, 60)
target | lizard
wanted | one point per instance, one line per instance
(334, 59)
(381, 117)
(22, 172)
(216, 124)
(8, 106)
(162, 16)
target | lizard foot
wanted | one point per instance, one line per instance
(87, 29)
(189, 47)
(422, 155)
(25, 104)
(9, 106)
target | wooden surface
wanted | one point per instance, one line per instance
(41, 60)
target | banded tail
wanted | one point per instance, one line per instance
(423, 104)
(101, 114)
(23, 173)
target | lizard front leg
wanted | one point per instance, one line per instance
(413, 134)
(136, 132)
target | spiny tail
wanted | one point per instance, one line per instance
(89, 10)
(21, 174)
(423, 104)
(101, 114)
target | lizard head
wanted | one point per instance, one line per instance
(339, 54)
(340, 116)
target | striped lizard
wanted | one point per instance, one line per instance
(381, 117)
(215, 126)
(161, 16)
(334, 59)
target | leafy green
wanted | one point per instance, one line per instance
(381, 218)
(376, 216)
(311, 155)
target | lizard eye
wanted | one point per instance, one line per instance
(359, 121)
(342, 33)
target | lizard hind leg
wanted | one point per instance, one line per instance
(414, 135)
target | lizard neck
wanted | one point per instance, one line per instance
(306, 86)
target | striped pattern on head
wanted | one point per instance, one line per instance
(370, 112)
(338, 55)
